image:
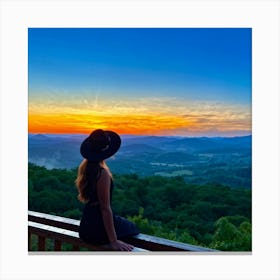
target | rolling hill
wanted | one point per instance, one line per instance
(219, 160)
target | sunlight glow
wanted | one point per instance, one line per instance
(148, 116)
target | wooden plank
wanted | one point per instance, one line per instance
(161, 244)
(136, 249)
(52, 217)
(53, 220)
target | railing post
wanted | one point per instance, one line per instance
(41, 243)
(57, 245)
(29, 241)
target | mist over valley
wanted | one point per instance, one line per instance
(200, 160)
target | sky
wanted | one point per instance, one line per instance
(142, 81)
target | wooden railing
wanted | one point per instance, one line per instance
(64, 230)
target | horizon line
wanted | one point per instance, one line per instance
(148, 135)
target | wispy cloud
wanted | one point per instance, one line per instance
(168, 116)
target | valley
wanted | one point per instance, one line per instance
(199, 160)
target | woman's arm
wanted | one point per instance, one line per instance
(103, 192)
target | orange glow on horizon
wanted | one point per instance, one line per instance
(128, 124)
(141, 117)
(83, 124)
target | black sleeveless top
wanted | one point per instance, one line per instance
(92, 229)
(93, 197)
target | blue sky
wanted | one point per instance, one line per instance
(194, 64)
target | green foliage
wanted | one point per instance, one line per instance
(142, 223)
(209, 215)
(158, 229)
(73, 214)
(228, 237)
(53, 191)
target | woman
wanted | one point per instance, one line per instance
(99, 225)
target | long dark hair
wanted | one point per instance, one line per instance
(88, 174)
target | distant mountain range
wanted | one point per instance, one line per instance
(224, 160)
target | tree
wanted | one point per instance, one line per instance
(210, 215)
(228, 237)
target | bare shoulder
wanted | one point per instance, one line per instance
(103, 186)
(104, 176)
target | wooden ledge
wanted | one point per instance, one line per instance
(63, 235)
(66, 230)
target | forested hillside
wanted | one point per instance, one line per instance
(199, 160)
(209, 215)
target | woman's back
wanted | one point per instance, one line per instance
(99, 225)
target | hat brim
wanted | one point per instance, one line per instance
(114, 145)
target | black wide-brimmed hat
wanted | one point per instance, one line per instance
(100, 145)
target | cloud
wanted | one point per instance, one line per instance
(156, 116)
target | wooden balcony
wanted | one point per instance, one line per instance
(64, 230)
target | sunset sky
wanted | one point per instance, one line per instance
(185, 81)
